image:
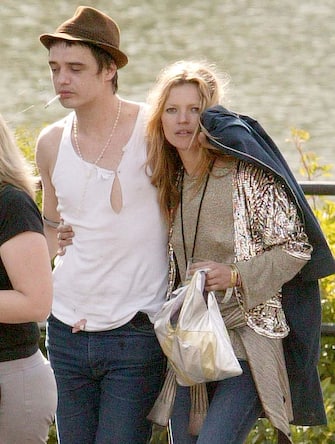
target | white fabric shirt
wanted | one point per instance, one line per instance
(117, 264)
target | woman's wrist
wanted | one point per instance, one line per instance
(235, 279)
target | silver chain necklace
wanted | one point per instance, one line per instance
(75, 135)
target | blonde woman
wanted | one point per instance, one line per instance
(231, 199)
(27, 384)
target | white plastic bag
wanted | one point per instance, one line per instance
(193, 336)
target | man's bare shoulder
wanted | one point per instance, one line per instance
(52, 131)
(132, 107)
(48, 140)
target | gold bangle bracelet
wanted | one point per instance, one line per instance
(234, 275)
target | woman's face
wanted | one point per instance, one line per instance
(180, 118)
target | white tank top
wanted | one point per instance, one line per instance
(117, 264)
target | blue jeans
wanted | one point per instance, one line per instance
(107, 382)
(234, 408)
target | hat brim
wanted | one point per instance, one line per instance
(120, 58)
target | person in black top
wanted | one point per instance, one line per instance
(27, 384)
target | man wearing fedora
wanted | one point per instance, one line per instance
(112, 279)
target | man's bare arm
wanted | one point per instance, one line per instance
(46, 155)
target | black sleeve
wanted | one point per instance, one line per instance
(18, 213)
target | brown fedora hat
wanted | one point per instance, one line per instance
(92, 26)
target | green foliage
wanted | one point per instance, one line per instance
(26, 142)
(310, 165)
(52, 435)
(263, 432)
(326, 217)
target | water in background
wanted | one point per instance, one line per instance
(280, 57)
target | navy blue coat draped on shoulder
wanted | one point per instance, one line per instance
(244, 138)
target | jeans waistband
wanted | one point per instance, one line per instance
(140, 319)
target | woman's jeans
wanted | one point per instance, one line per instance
(234, 409)
(107, 382)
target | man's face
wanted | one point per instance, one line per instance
(74, 72)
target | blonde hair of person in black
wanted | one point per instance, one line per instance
(14, 168)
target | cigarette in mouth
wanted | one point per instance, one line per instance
(52, 101)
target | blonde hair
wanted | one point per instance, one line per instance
(14, 168)
(163, 161)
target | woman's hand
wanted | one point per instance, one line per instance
(218, 275)
(65, 235)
